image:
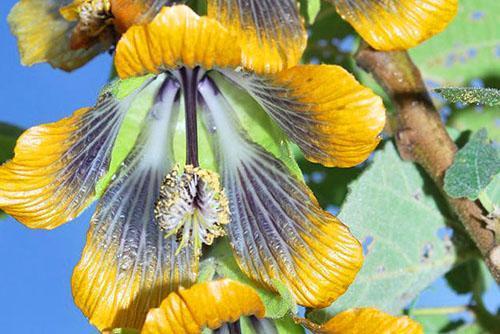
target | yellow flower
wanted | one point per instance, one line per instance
(220, 304)
(158, 210)
(69, 33)
(397, 24)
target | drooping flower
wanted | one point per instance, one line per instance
(220, 304)
(233, 175)
(69, 33)
(389, 25)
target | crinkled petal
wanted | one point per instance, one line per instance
(128, 265)
(56, 166)
(334, 119)
(44, 35)
(369, 320)
(208, 304)
(277, 229)
(176, 36)
(271, 32)
(397, 24)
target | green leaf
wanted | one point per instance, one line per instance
(8, 137)
(471, 95)
(490, 197)
(313, 8)
(286, 325)
(277, 304)
(466, 50)
(283, 325)
(472, 329)
(436, 323)
(469, 277)
(474, 118)
(390, 210)
(331, 39)
(473, 168)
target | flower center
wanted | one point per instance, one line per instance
(192, 206)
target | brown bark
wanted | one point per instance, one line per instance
(421, 136)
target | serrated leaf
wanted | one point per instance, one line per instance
(313, 8)
(389, 209)
(277, 304)
(473, 168)
(471, 95)
(466, 50)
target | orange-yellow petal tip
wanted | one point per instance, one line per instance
(176, 36)
(397, 25)
(208, 304)
(369, 320)
(344, 118)
(33, 185)
(272, 36)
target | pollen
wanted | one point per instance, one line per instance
(193, 207)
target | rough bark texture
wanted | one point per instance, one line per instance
(422, 137)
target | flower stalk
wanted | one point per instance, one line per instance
(421, 136)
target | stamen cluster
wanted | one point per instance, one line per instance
(192, 206)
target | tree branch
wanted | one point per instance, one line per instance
(422, 137)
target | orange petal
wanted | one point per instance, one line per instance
(129, 265)
(129, 12)
(397, 24)
(56, 166)
(177, 36)
(44, 35)
(278, 230)
(369, 320)
(333, 118)
(271, 32)
(209, 304)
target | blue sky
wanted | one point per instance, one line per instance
(35, 292)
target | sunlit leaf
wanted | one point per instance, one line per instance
(390, 209)
(466, 50)
(473, 168)
(471, 95)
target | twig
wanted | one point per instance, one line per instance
(421, 137)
